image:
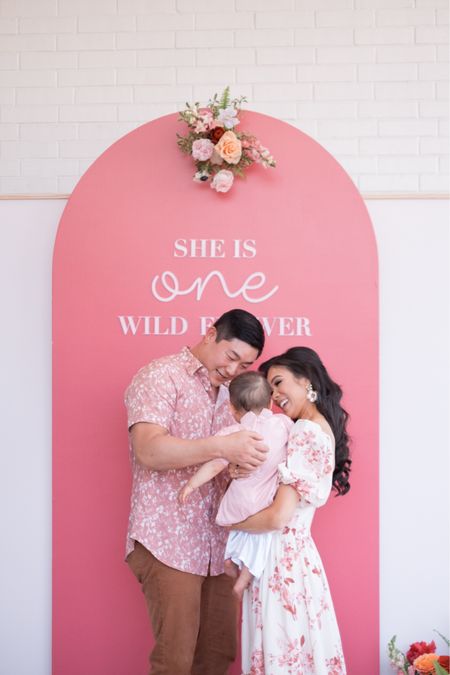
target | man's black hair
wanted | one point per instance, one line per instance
(239, 324)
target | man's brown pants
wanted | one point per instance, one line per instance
(193, 617)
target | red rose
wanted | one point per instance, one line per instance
(444, 662)
(419, 648)
(216, 134)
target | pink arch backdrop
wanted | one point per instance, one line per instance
(144, 258)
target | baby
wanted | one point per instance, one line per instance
(250, 398)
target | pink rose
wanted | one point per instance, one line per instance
(205, 121)
(206, 115)
(222, 181)
(202, 149)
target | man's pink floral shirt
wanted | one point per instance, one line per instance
(175, 393)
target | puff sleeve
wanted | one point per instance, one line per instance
(310, 463)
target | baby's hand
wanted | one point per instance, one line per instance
(184, 493)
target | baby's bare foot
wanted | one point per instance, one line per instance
(239, 588)
(243, 581)
(231, 569)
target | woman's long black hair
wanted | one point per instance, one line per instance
(305, 362)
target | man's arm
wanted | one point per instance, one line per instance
(156, 449)
(274, 517)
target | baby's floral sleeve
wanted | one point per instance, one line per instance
(309, 464)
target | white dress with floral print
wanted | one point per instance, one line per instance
(288, 622)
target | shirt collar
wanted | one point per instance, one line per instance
(193, 366)
(191, 362)
(250, 417)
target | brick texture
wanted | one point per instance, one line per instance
(368, 79)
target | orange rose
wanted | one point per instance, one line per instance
(229, 147)
(425, 663)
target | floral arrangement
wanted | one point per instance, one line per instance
(219, 151)
(421, 658)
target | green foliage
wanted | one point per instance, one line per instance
(396, 656)
(216, 103)
(185, 142)
(446, 640)
(225, 98)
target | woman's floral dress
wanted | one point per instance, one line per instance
(288, 622)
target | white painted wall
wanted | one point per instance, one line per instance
(27, 231)
(413, 241)
(368, 79)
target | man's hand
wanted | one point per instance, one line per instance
(244, 448)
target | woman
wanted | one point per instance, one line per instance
(289, 625)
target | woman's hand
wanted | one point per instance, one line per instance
(236, 471)
(274, 517)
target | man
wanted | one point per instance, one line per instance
(175, 406)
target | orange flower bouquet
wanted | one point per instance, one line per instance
(220, 152)
(420, 659)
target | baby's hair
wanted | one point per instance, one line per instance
(250, 391)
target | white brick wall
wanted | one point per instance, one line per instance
(368, 79)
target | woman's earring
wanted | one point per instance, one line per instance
(311, 394)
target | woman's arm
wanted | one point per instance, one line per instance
(274, 517)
